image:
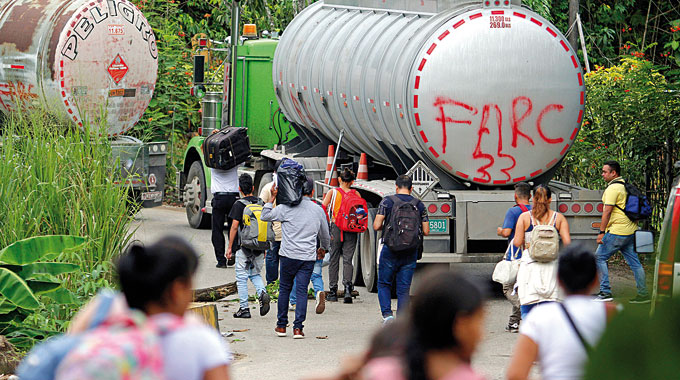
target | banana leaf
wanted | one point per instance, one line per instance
(37, 248)
(6, 307)
(13, 288)
(35, 271)
(42, 287)
(62, 296)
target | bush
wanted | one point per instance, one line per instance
(632, 116)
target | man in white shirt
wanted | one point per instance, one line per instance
(224, 187)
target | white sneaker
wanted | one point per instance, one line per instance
(388, 320)
(291, 307)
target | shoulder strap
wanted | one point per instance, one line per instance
(523, 207)
(586, 345)
(533, 222)
(106, 298)
(554, 219)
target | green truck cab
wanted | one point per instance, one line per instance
(255, 107)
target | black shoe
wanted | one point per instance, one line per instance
(221, 265)
(640, 299)
(348, 295)
(242, 313)
(512, 327)
(603, 297)
(264, 303)
(332, 295)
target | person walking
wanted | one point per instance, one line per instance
(397, 266)
(317, 273)
(301, 226)
(271, 259)
(617, 234)
(224, 188)
(343, 243)
(537, 281)
(249, 262)
(522, 196)
(560, 336)
(156, 280)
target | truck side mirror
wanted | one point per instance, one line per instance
(199, 69)
(644, 241)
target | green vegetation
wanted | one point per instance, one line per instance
(57, 180)
(632, 116)
(28, 275)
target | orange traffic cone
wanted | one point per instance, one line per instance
(362, 173)
(328, 179)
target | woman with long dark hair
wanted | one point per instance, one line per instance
(447, 323)
(537, 281)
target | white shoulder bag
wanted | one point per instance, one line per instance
(505, 271)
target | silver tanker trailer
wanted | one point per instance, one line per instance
(472, 96)
(93, 63)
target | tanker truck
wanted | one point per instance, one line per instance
(93, 63)
(469, 97)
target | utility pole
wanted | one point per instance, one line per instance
(573, 11)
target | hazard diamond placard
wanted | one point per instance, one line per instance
(117, 69)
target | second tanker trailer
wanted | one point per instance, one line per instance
(483, 94)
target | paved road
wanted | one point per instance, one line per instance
(342, 331)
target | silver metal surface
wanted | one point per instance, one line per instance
(491, 95)
(92, 62)
(212, 112)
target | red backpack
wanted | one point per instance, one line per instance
(353, 212)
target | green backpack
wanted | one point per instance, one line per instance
(256, 233)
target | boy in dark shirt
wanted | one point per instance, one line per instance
(249, 263)
(397, 268)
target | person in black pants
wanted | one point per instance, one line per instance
(224, 187)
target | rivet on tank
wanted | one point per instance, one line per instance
(90, 62)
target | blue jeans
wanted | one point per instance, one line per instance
(624, 243)
(272, 262)
(525, 309)
(299, 271)
(396, 269)
(248, 269)
(317, 281)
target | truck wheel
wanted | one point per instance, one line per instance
(266, 178)
(368, 243)
(195, 196)
(357, 278)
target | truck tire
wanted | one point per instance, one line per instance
(368, 244)
(195, 196)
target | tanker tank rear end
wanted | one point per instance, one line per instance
(487, 95)
(93, 63)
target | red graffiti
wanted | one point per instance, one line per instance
(515, 122)
(551, 107)
(299, 110)
(16, 94)
(440, 102)
(521, 110)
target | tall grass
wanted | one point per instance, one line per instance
(55, 179)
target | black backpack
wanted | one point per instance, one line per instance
(403, 232)
(637, 205)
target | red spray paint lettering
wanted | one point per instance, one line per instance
(16, 93)
(521, 109)
(443, 119)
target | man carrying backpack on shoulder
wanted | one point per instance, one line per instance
(405, 223)
(617, 233)
(245, 215)
(349, 217)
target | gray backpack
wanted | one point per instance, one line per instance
(256, 233)
(544, 244)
